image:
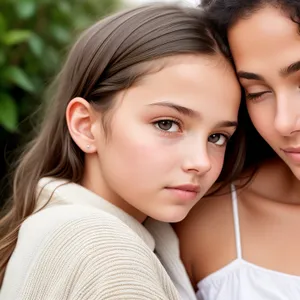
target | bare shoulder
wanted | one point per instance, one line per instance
(206, 236)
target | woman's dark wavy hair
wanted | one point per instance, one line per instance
(223, 14)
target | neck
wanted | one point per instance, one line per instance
(94, 181)
(275, 181)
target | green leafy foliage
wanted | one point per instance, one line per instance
(34, 35)
(8, 112)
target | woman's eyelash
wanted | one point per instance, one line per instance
(254, 96)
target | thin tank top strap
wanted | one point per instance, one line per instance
(236, 221)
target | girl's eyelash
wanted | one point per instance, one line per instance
(175, 121)
(226, 136)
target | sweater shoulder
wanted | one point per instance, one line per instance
(59, 222)
(92, 253)
(60, 215)
(76, 229)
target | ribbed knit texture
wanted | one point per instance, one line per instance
(81, 247)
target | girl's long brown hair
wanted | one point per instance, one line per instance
(102, 62)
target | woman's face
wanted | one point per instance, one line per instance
(266, 51)
(167, 138)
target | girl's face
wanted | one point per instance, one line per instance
(167, 138)
(266, 51)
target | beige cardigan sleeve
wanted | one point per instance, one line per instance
(90, 258)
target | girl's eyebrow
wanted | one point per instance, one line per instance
(227, 124)
(181, 109)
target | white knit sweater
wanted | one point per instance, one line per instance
(81, 247)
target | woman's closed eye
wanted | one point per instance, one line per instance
(256, 96)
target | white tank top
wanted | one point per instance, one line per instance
(242, 280)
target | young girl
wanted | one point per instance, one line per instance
(145, 105)
(245, 244)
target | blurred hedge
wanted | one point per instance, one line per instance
(34, 35)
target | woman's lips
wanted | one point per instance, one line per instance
(292, 153)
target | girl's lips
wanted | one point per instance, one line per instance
(186, 192)
(187, 187)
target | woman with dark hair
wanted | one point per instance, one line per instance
(244, 244)
(136, 134)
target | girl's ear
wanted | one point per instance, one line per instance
(80, 120)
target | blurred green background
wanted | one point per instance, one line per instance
(34, 38)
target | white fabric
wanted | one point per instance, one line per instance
(242, 280)
(236, 222)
